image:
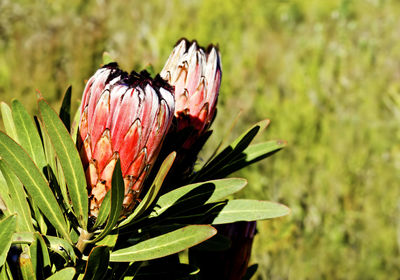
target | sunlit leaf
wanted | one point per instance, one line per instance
(117, 197)
(229, 153)
(104, 211)
(34, 181)
(8, 121)
(250, 155)
(249, 210)
(164, 245)
(26, 266)
(7, 228)
(64, 274)
(69, 159)
(6, 206)
(28, 136)
(195, 195)
(18, 198)
(56, 244)
(154, 189)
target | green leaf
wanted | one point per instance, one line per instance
(54, 168)
(18, 198)
(154, 189)
(65, 110)
(248, 210)
(259, 127)
(7, 228)
(75, 125)
(104, 211)
(34, 181)
(26, 266)
(250, 155)
(229, 153)
(55, 244)
(69, 159)
(43, 255)
(8, 121)
(64, 274)
(195, 195)
(110, 240)
(6, 206)
(117, 197)
(97, 263)
(164, 245)
(28, 136)
(33, 255)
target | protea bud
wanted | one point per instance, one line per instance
(231, 263)
(122, 116)
(196, 75)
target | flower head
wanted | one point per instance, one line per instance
(196, 75)
(122, 116)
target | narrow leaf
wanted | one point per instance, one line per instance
(249, 210)
(154, 189)
(58, 245)
(97, 264)
(28, 136)
(7, 228)
(64, 274)
(18, 197)
(75, 125)
(65, 110)
(7, 207)
(69, 159)
(54, 167)
(43, 255)
(250, 155)
(34, 256)
(26, 266)
(34, 181)
(104, 211)
(230, 152)
(117, 197)
(164, 245)
(206, 192)
(8, 121)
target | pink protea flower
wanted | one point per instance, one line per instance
(125, 116)
(196, 75)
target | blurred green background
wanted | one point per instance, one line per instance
(327, 74)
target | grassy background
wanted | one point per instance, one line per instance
(327, 74)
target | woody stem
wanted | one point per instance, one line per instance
(84, 237)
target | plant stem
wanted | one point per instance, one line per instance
(83, 238)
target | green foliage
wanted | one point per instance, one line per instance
(69, 160)
(7, 226)
(164, 245)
